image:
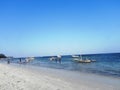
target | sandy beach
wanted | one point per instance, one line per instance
(14, 77)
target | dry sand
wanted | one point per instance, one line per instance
(26, 78)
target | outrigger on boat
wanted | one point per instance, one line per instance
(82, 61)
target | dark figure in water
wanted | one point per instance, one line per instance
(20, 60)
(59, 60)
(8, 61)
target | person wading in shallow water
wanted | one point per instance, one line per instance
(20, 60)
(59, 58)
(8, 61)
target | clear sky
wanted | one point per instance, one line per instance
(52, 27)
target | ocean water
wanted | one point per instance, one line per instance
(106, 64)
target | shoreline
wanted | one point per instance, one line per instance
(16, 77)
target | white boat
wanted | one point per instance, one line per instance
(75, 56)
(53, 58)
(28, 59)
(80, 60)
(59, 56)
(56, 58)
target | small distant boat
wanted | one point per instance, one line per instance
(59, 56)
(56, 58)
(75, 56)
(53, 58)
(28, 59)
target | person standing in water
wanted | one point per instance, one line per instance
(20, 60)
(59, 58)
(8, 61)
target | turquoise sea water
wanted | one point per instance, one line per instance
(106, 64)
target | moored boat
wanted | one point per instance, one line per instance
(81, 60)
(75, 56)
(28, 59)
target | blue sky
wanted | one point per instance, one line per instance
(52, 27)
